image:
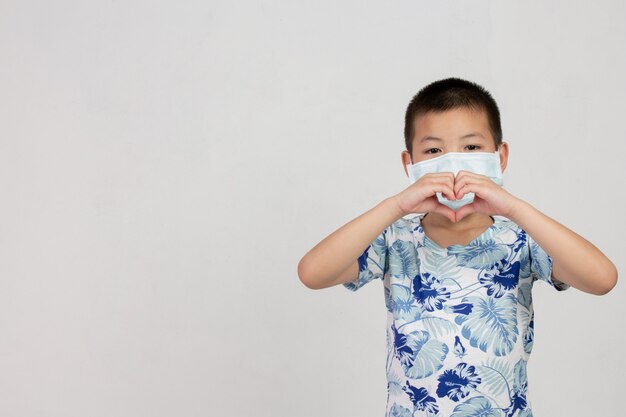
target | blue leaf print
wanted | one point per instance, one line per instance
(395, 383)
(476, 407)
(520, 381)
(524, 295)
(480, 254)
(403, 259)
(520, 385)
(529, 335)
(430, 291)
(363, 259)
(420, 398)
(419, 355)
(388, 298)
(403, 304)
(456, 383)
(402, 351)
(537, 264)
(520, 240)
(438, 326)
(491, 325)
(372, 263)
(496, 374)
(499, 283)
(540, 262)
(459, 349)
(399, 411)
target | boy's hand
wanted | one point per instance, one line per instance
(420, 197)
(489, 197)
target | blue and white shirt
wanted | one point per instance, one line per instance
(459, 319)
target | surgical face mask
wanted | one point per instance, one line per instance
(484, 163)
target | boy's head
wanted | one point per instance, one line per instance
(442, 117)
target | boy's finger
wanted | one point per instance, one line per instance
(446, 211)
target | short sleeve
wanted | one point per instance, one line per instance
(373, 262)
(541, 265)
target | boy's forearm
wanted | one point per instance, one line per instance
(575, 260)
(339, 250)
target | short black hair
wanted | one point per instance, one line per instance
(448, 94)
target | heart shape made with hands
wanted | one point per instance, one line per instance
(482, 163)
(468, 198)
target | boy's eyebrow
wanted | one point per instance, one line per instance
(469, 135)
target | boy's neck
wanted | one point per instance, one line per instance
(471, 221)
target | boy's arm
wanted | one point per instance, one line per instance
(574, 258)
(333, 261)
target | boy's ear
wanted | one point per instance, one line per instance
(504, 155)
(406, 160)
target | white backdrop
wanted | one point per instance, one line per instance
(165, 165)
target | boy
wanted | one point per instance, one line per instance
(458, 278)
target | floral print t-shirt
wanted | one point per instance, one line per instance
(459, 319)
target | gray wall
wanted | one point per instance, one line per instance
(165, 165)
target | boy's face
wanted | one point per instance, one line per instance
(457, 130)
